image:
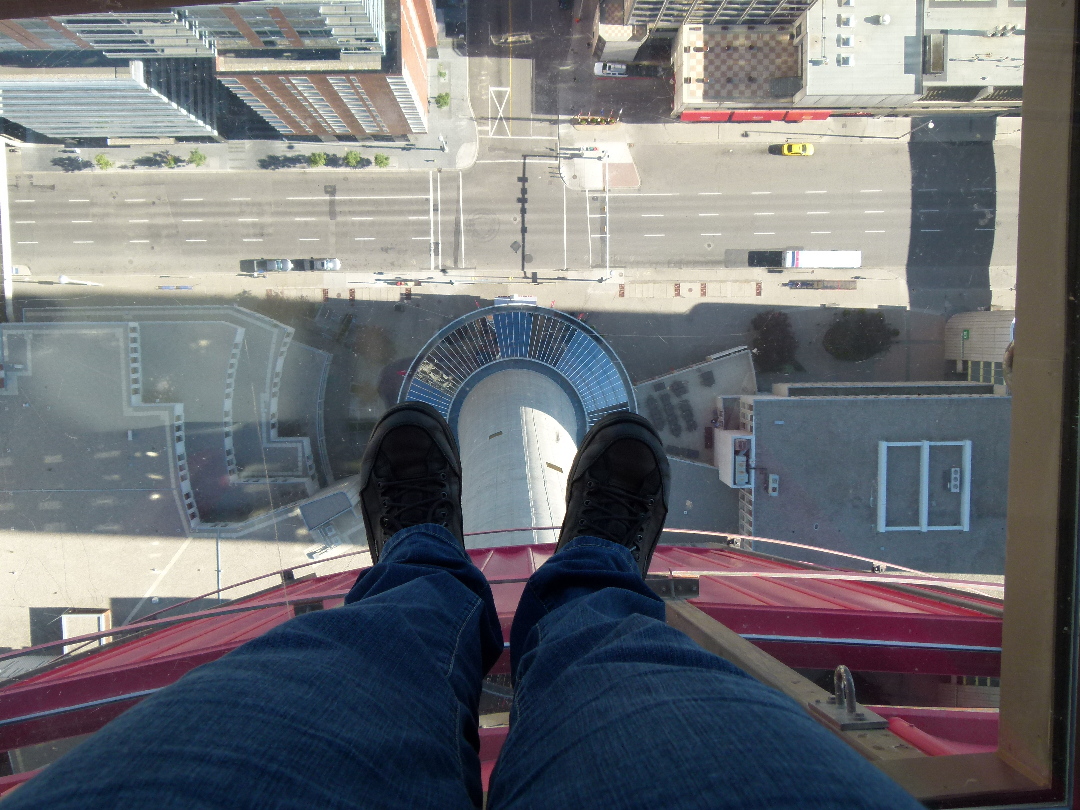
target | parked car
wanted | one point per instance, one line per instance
(316, 264)
(265, 265)
(512, 39)
(797, 149)
(610, 69)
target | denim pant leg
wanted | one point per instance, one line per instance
(614, 709)
(373, 704)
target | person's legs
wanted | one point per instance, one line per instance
(373, 704)
(615, 709)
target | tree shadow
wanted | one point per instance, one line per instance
(283, 161)
(71, 163)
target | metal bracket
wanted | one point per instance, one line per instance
(841, 711)
(674, 587)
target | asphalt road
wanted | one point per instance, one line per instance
(696, 206)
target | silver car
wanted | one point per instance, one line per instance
(316, 264)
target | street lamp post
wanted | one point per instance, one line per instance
(927, 125)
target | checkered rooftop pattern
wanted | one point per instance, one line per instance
(739, 64)
(611, 12)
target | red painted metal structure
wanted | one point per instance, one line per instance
(805, 618)
(743, 116)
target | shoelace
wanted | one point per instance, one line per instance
(410, 501)
(614, 514)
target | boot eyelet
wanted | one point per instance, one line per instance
(581, 522)
(587, 502)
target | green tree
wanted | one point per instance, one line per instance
(196, 158)
(102, 161)
(774, 343)
(317, 159)
(858, 334)
(382, 161)
(442, 101)
(352, 159)
(171, 161)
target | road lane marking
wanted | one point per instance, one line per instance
(194, 240)
(873, 212)
(764, 213)
(361, 218)
(761, 192)
(820, 231)
(710, 193)
(425, 238)
(241, 199)
(253, 240)
(78, 201)
(712, 234)
(84, 242)
(138, 220)
(652, 215)
(869, 190)
(26, 243)
(816, 192)
(138, 241)
(764, 233)
(303, 219)
(363, 238)
(192, 199)
(930, 230)
(646, 193)
(26, 222)
(818, 212)
(873, 231)
(81, 221)
(191, 220)
(136, 199)
(984, 229)
(383, 197)
(248, 219)
(708, 215)
(308, 239)
(929, 210)
(652, 234)
(417, 217)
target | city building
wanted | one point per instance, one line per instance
(671, 14)
(977, 343)
(911, 473)
(325, 70)
(853, 55)
(520, 386)
(103, 98)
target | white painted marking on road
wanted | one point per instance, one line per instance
(363, 238)
(873, 231)
(417, 217)
(929, 210)
(652, 215)
(304, 219)
(361, 218)
(253, 240)
(26, 222)
(136, 199)
(383, 197)
(191, 220)
(646, 193)
(309, 239)
(930, 230)
(761, 192)
(708, 215)
(81, 221)
(764, 213)
(818, 212)
(192, 199)
(84, 242)
(873, 212)
(653, 234)
(194, 240)
(869, 190)
(241, 199)
(712, 234)
(27, 201)
(247, 219)
(26, 243)
(78, 201)
(511, 160)
(138, 220)
(816, 192)
(820, 231)
(764, 233)
(138, 241)
(710, 193)
(425, 238)
(984, 229)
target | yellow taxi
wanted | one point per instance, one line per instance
(797, 149)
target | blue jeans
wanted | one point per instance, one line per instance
(374, 705)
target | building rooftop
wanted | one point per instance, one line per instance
(984, 42)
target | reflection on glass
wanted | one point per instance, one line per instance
(784, 231)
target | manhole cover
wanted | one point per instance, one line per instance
(528, 258)
(708, 245)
